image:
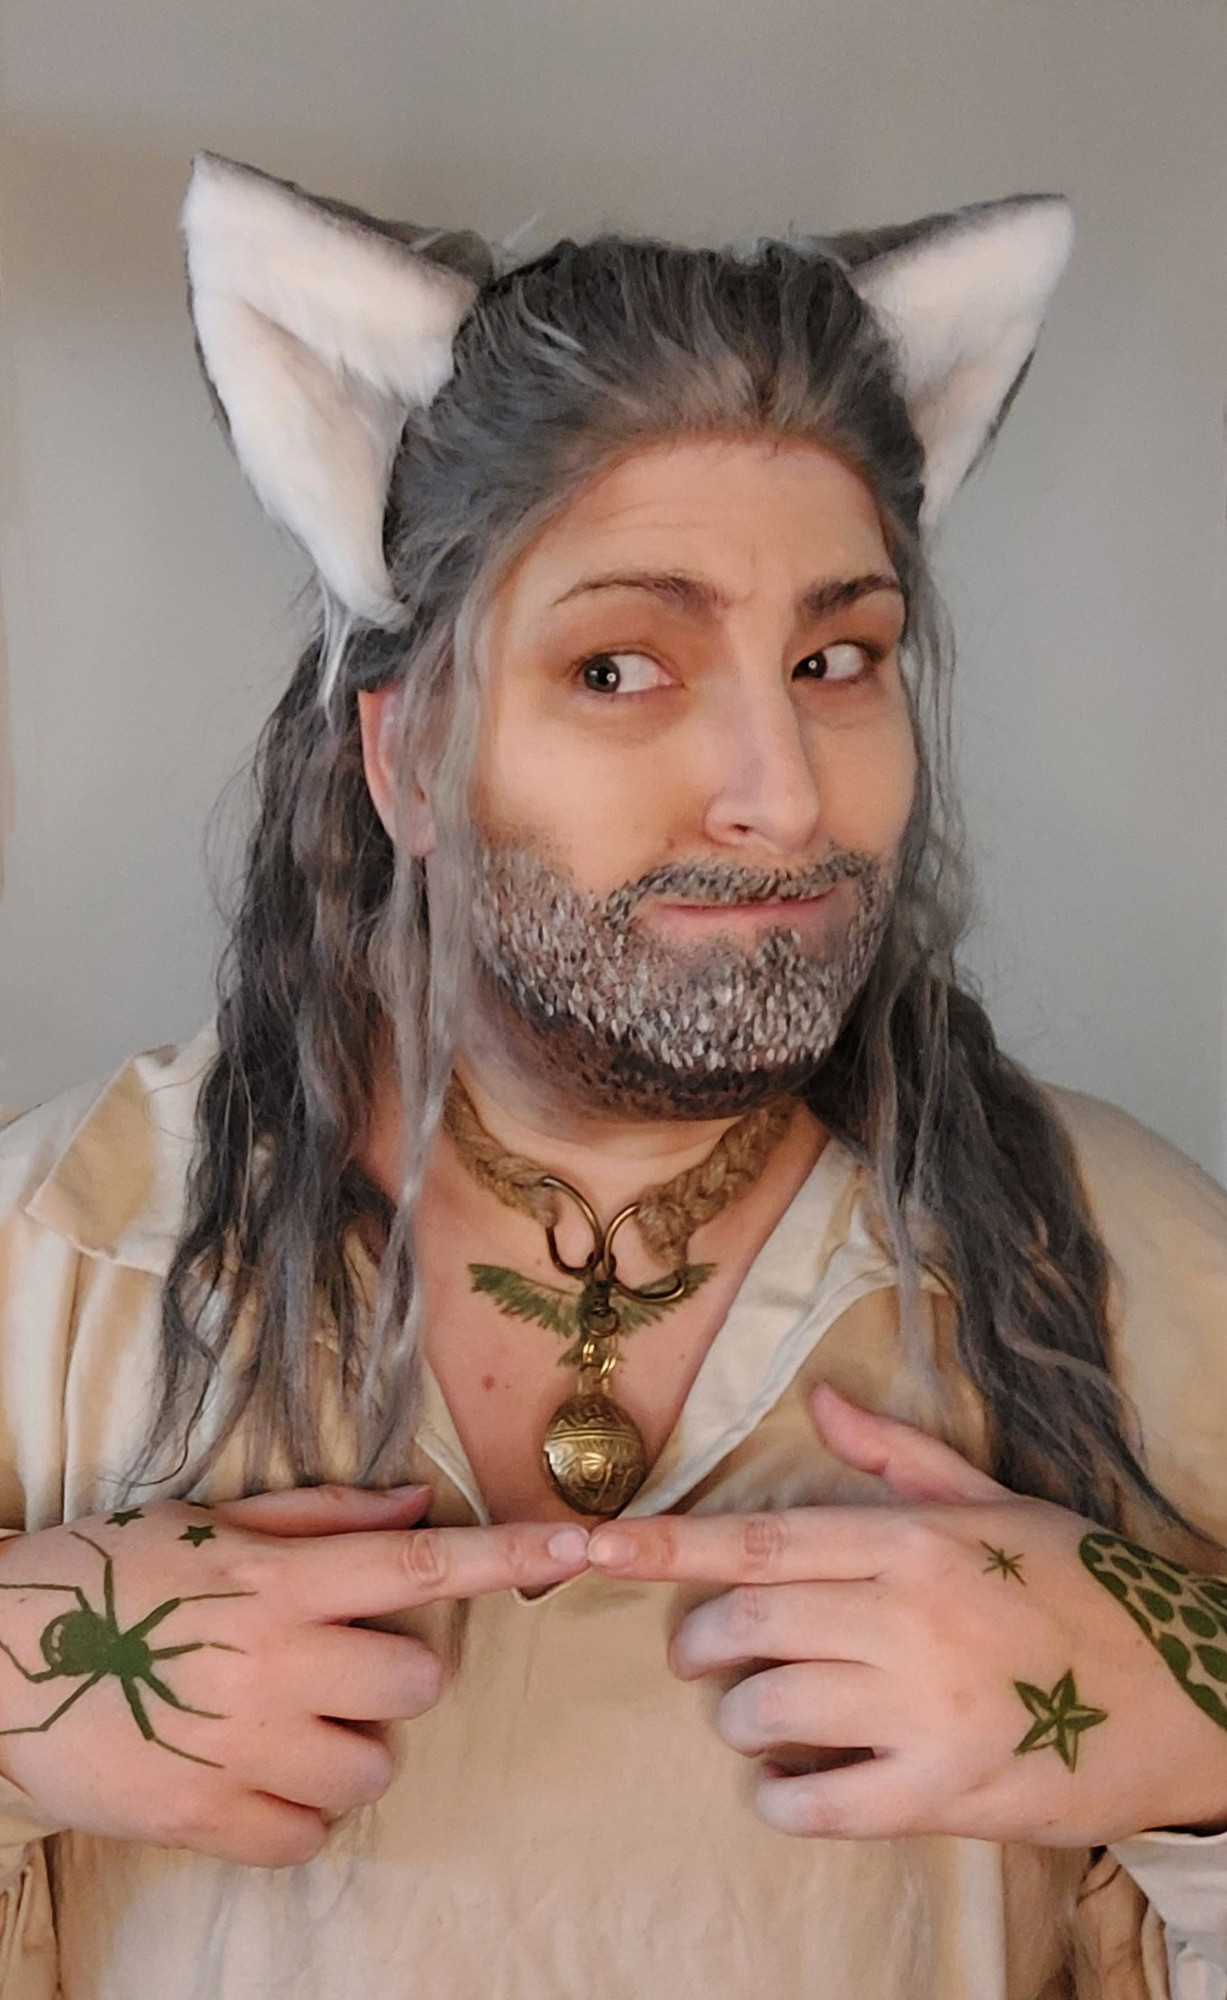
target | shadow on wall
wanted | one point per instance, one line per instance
(87, 228)
(8, 775)
(90, 251)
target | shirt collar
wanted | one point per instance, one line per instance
(116, 1189)
(818, 1260)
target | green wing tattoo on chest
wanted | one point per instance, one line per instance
(1182, 1613)
(562, 1312)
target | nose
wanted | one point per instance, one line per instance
(764, 792)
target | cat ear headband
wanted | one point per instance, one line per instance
(320, 327)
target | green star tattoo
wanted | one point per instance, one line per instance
(202, 1532)
(124, 1515)
(1060, 1719)
(1000, 1564)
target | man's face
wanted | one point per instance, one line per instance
(692, 781)
(694, 773)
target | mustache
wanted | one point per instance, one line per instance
(718, 885)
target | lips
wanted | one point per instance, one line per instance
(781, 904)
(774, 910)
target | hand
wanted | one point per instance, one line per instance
(970, 1670)
(188, 1676)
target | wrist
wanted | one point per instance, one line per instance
(1200, 1805)
(1202, 1827)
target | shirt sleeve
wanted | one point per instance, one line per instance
(39, 1276)
(1164, 1224)
(1184, 1877)
(28, 1951)
(21, 1821)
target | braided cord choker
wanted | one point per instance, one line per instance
(593, 1453)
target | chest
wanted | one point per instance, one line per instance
(498, 1349)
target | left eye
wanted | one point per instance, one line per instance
(621, 673)
(844, 662)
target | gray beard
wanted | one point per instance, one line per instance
(624, 1022)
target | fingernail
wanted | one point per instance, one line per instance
(414, 1491)
(608, 1546)
(568, 1545)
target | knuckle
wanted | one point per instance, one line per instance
(520, 1552)
(921, 1546)
(656, 1545)
(906, 1814)
(663, 1544)
(816, 1818)
(746, 1613)
(290, 1846)
(765, 1710)
(424, 1682)
(424, 1556)
(762, 1705)
(764, 1539)
(375, 1775)
(306, 1841)
(261, 1568)
(189, 1823)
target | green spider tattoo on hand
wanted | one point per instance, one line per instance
(88, 1644)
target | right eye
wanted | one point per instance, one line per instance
(622, 673)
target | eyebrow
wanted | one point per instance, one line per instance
(700, 599)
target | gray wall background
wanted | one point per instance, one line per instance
(148, 614)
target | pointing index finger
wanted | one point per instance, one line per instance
(793, 1545)
(367, 1576)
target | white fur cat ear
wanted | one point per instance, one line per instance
(318, 328)
(964, 296)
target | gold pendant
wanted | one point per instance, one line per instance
(594, 1454)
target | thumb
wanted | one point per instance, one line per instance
(326, 1510)
(915, 1465)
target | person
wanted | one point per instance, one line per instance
(593, 1434)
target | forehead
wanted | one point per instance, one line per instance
(752, 514)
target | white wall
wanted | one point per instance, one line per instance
(147, 608)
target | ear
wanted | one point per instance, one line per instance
(408, 822)
(318, 329)
(964, 296)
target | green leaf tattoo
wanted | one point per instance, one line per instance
(1000, 1564)
(1182, 1613)
(87, 1645)
(1060, 1719)
(561, 1312)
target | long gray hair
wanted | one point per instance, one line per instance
(565, 362)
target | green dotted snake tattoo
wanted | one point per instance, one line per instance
(1183, 1614)
(88, 1645)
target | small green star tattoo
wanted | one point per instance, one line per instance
(1000, 1564)
(1060, 1719)
(123, 1515)
(202, 1532)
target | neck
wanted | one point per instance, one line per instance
(498, 1370)
(611, 1159)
